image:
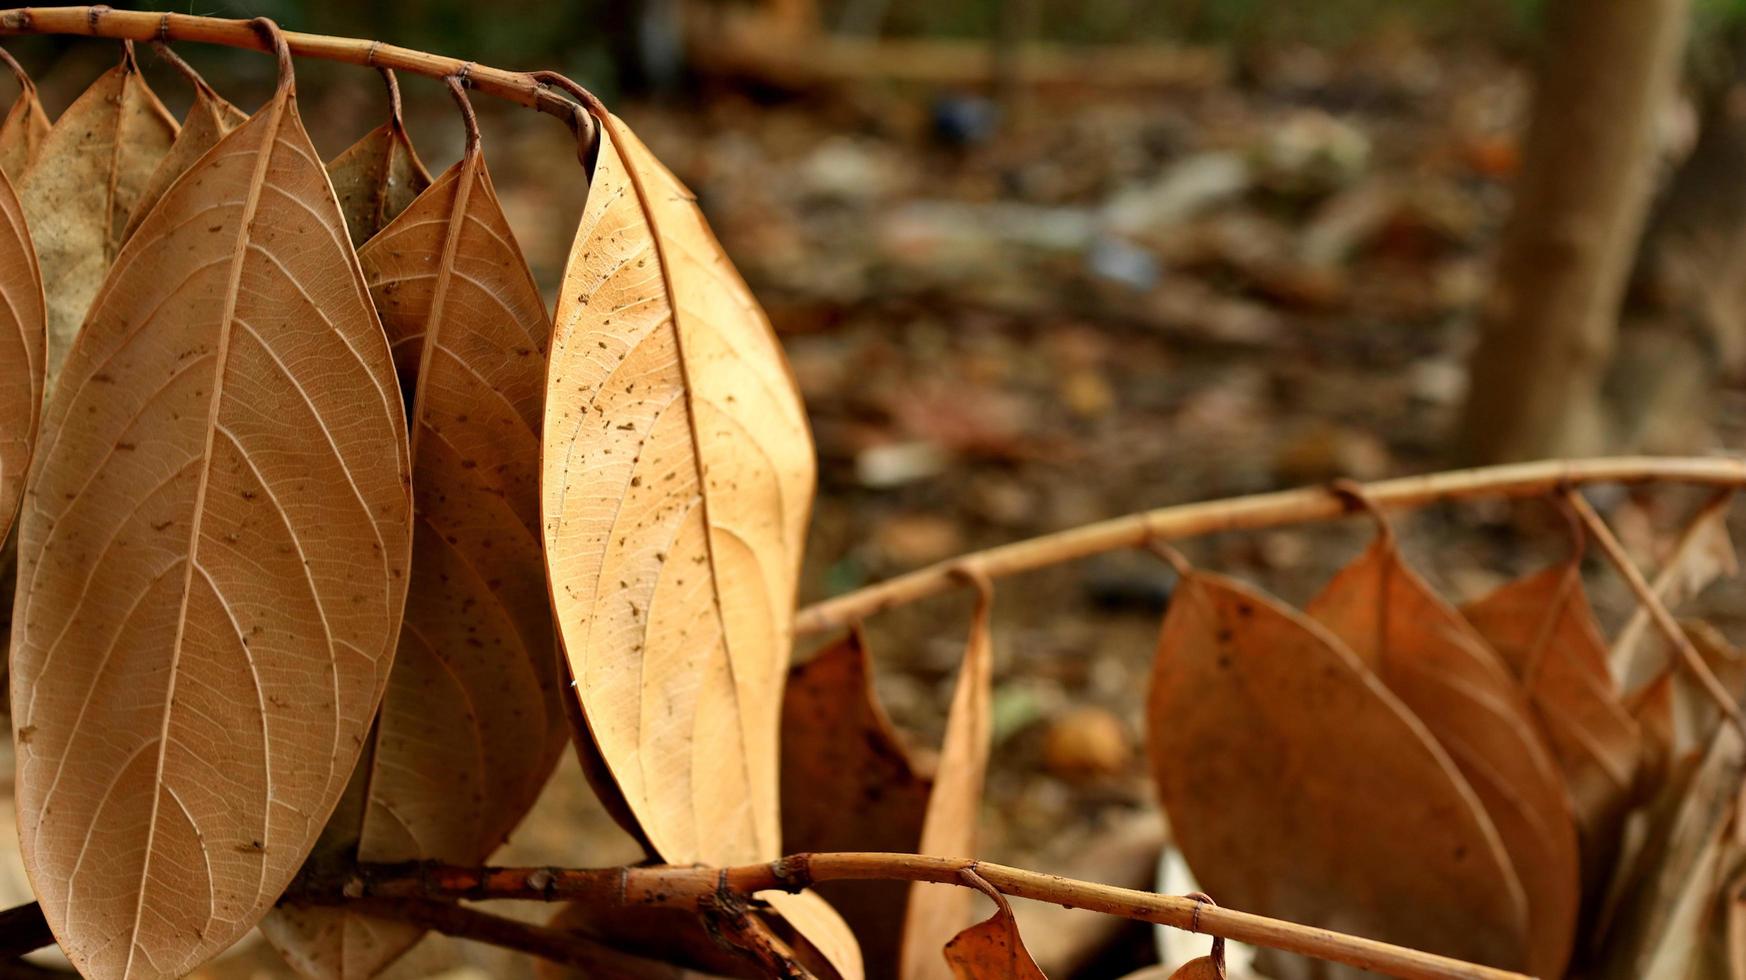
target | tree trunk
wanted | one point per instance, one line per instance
(1546, 334)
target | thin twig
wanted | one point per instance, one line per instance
(1261, 511)
(521, 88)
(1688, 655)
(424, 893)
(696, 887)
(23, 929)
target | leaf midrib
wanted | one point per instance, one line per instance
(269, 143)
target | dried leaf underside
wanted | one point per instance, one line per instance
(213, 560)
(23, 130)
(471, 724)
(89, 174)
(376, 178)
(22, 355)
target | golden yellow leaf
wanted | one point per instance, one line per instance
(213, 561)
(21, 368)
(380, 175)
(1299, 787)
(1443, 671)
(471, 724)
(677, 478)
(24, 128)
(90, 171)
(938, 912)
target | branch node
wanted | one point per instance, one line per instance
(542, 880)
(794, 871)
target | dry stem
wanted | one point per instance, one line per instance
(1688, 654)
(425, 894)
(1265, 510)
(692, 888)
(521, 88)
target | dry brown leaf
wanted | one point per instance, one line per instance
(24, 128)
(380, 175)
(1546, 633)
(473, 696)
(937, 912)
(678, 476)
(21, 369)
(208, 119)
(212, 564)
(1299, 787)
(1199, 968)
(848, 785)
(89, 174)
(1443, 671)
(1703, 554)
(992, 949)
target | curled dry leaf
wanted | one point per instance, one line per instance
(1544, 630)
(380, 175)
(21, 368)
(208, 119)
(938, 912)
(212, 564)
(1674, 883)
(471, 724)
(1199, 968)
(677, 478)
(992, 949)
(1703, 554)
(24, 128)
(1299, 787)
(1444, 672)
(91, 170)
(848, 785)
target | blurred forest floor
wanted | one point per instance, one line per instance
(1106, 302)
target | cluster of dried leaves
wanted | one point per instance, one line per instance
(282, 597)
(330, 539)
(1476, 781)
